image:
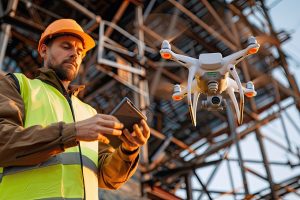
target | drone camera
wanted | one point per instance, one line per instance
(212, 103)
(215, 100)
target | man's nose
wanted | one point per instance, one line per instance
(73, 54)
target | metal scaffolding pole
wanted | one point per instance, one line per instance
(230, 178)
(202, 185)
(12, 7)
(188, 186)
(266, 165)
(231, 122)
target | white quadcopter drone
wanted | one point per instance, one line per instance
(209, 75)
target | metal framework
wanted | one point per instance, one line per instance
(215, 160)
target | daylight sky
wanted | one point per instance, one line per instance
(286, 15)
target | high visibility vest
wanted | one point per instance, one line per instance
(60, 177)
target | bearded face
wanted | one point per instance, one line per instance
(64, 56)
(66, 70)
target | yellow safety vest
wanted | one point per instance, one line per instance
(60, 177)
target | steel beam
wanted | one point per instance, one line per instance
(188, 186)
(117, 17)
(230, 178)
(204, 25)
(218, 19)
(11, 7)
(81, 8)
(202, 185)
(218, 146)
(231, 120)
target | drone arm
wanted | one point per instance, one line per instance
(237, 57)
(232, 70)
(185, 60)
(168, 54)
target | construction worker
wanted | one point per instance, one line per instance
(52, 145)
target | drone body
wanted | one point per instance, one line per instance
(209, 75)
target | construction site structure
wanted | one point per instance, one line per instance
(217, 159)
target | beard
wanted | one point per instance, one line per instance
(64, 73)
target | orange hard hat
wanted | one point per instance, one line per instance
(67, 26)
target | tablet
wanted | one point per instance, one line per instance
(128, 114)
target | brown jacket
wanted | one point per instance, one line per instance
(21, 146)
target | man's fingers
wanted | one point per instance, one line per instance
(140, 139)
(109, 131)
(124, 139)
(146, 129)
(130, 137)
(103, 139)
(111, 124)
(108, 117)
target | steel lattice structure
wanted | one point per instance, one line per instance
(216, 159)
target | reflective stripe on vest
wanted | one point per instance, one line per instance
(60, 177)
(65, 159)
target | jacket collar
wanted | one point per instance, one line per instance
(49, 76)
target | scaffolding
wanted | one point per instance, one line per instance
(215, 160)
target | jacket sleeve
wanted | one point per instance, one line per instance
(115, 166)
(32, 145)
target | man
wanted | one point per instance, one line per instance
(53, 146)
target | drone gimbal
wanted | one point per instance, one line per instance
(209, 75)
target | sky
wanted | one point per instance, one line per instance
(285, 15)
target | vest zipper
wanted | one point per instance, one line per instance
(66, 95)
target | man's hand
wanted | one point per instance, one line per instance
(94, 128)
(139, 136)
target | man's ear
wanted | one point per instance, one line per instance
(43, 50)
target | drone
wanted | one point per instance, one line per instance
(209, 75)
